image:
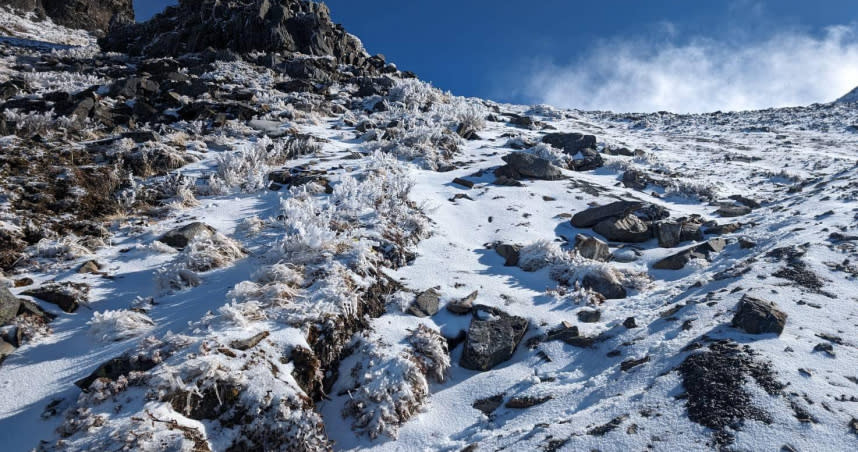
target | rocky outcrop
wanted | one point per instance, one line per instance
(94, 15)
(273, 26)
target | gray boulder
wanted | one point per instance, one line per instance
(757, 316)
(588, 218)
(702, 251)
(628, 229)
(464, 305)
(180, 237)
(592, 248)
(520, 165)
(571, 143)
(604, 285)
(493, 340)
(11, 307)
(425, 304)
(729, 211)
(668, 234)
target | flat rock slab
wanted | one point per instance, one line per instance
(571, 143)
(590, 217)
(629, 229)
(702, 251)
(522, 164)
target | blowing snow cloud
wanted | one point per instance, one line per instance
(787, 69)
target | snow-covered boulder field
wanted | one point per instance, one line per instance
(213, 238)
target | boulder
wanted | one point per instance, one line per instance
(509, 252)
(604, 285)
(520, 165)
(11, 307)
(492, 340)
(570, 143)
(425, 304)
(702, 251)
(67, 295)
(668, 234)
(592, 248)
(180, 237)
(6, 349)
(757, 316)
(628, 229)
(729, 211)
(589, 315)
(464, 305)
(588, 218)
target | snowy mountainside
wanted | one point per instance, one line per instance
(230, 250)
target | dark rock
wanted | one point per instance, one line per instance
(757, 316)
(636, 179)
(425, 304)
(570, 143)
(67, 295)
(702, 251)
(630, 364)
(668, 233)
(520, 165)
(492, 341)
(463, 182)
(208, 403)
(247, 344)
(629, 229)
(522, 402)
(117, 367)
(746, 201)
(180, 237)
(603, 285)
(464, 305)
(11, 307)
(505, 181)
(523, 121)
(720, 229)
(604, 429)
(590, 217)
(508, 252)
(589, 161)
(489, 404)
(592, 248)
(589, 315)
(630, 323)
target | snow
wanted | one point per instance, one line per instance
(285, 262)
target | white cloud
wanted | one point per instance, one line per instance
(787, 69)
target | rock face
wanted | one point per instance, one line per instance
(92, 15)
(259, 25)
(757, 316)
(493, 340)
(521, 164)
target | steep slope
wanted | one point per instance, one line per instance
(256, 241)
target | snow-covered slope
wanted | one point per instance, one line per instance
(361, 235)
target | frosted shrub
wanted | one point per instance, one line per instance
(66, 248)
(217, 251)
(551, 154)
(415, 93)
(539, 255)
(388, 390)
(175, 277)
(429, 352)
(242, 314)
(472, 116)
(110, 326)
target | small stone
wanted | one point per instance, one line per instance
(630, 323)
(180, 237)
(589, 315)
(510, 253)
(463, 182)
(491, 342)
(464, 305)
(425, 304)
(729, 211)
(629, 364)
(489, 404)
(521, 402)
(247, 344)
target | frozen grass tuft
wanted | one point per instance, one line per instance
(112, 326)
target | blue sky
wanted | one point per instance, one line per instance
(675, 55)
